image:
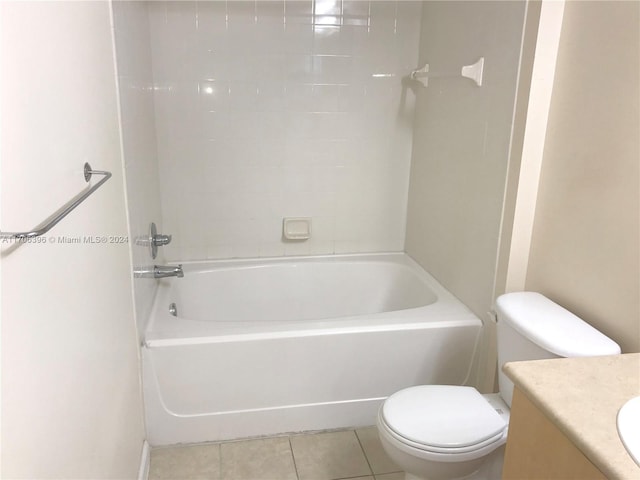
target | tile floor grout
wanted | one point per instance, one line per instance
(322, 453)
(364, 452)
(293, 457)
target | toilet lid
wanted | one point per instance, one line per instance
(442, 416)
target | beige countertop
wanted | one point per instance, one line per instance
(582, 396)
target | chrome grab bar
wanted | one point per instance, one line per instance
(67, 209)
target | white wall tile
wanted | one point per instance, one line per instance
(299, 11)
(211, 16)
(241, 12)
(137, 92)
(269, 109)
(458, 241)
(298, 38)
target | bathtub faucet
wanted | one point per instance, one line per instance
(168, 271)
(158, 272)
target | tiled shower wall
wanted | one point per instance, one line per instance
(272, 109)
(135, 80)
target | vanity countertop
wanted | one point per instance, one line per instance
(582, 396)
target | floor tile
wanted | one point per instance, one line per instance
(198, 462)
(377, 457)
(261, 459)
(391, 476)
(329, 456)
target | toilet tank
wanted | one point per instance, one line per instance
(532, 327)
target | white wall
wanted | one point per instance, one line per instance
(71, 403)
(462, 144)
(585, 249)
(270, 109)
(135, 81)
(540, 50)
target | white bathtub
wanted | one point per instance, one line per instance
(271, 346)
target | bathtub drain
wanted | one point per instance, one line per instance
(173, 310)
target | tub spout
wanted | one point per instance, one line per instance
(157, 271)
(168, 271)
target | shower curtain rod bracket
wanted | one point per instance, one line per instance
(473, 72)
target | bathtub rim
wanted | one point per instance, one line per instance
(162, 329)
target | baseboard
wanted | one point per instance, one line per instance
(145, 457)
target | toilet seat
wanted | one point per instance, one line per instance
(443, 419)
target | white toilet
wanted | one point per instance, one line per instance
(442, 432)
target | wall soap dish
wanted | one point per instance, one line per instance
(473, 72)
(296, 228)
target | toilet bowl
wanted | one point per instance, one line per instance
(445, 432)
(441, 432)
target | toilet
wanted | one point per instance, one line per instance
(444, 432)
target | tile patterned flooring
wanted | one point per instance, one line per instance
(334, 455)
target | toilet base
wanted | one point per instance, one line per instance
(490, 469)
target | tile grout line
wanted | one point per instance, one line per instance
(374, 475)
(293, 457)
(354, 478)
(363, 451)
(220, 469)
